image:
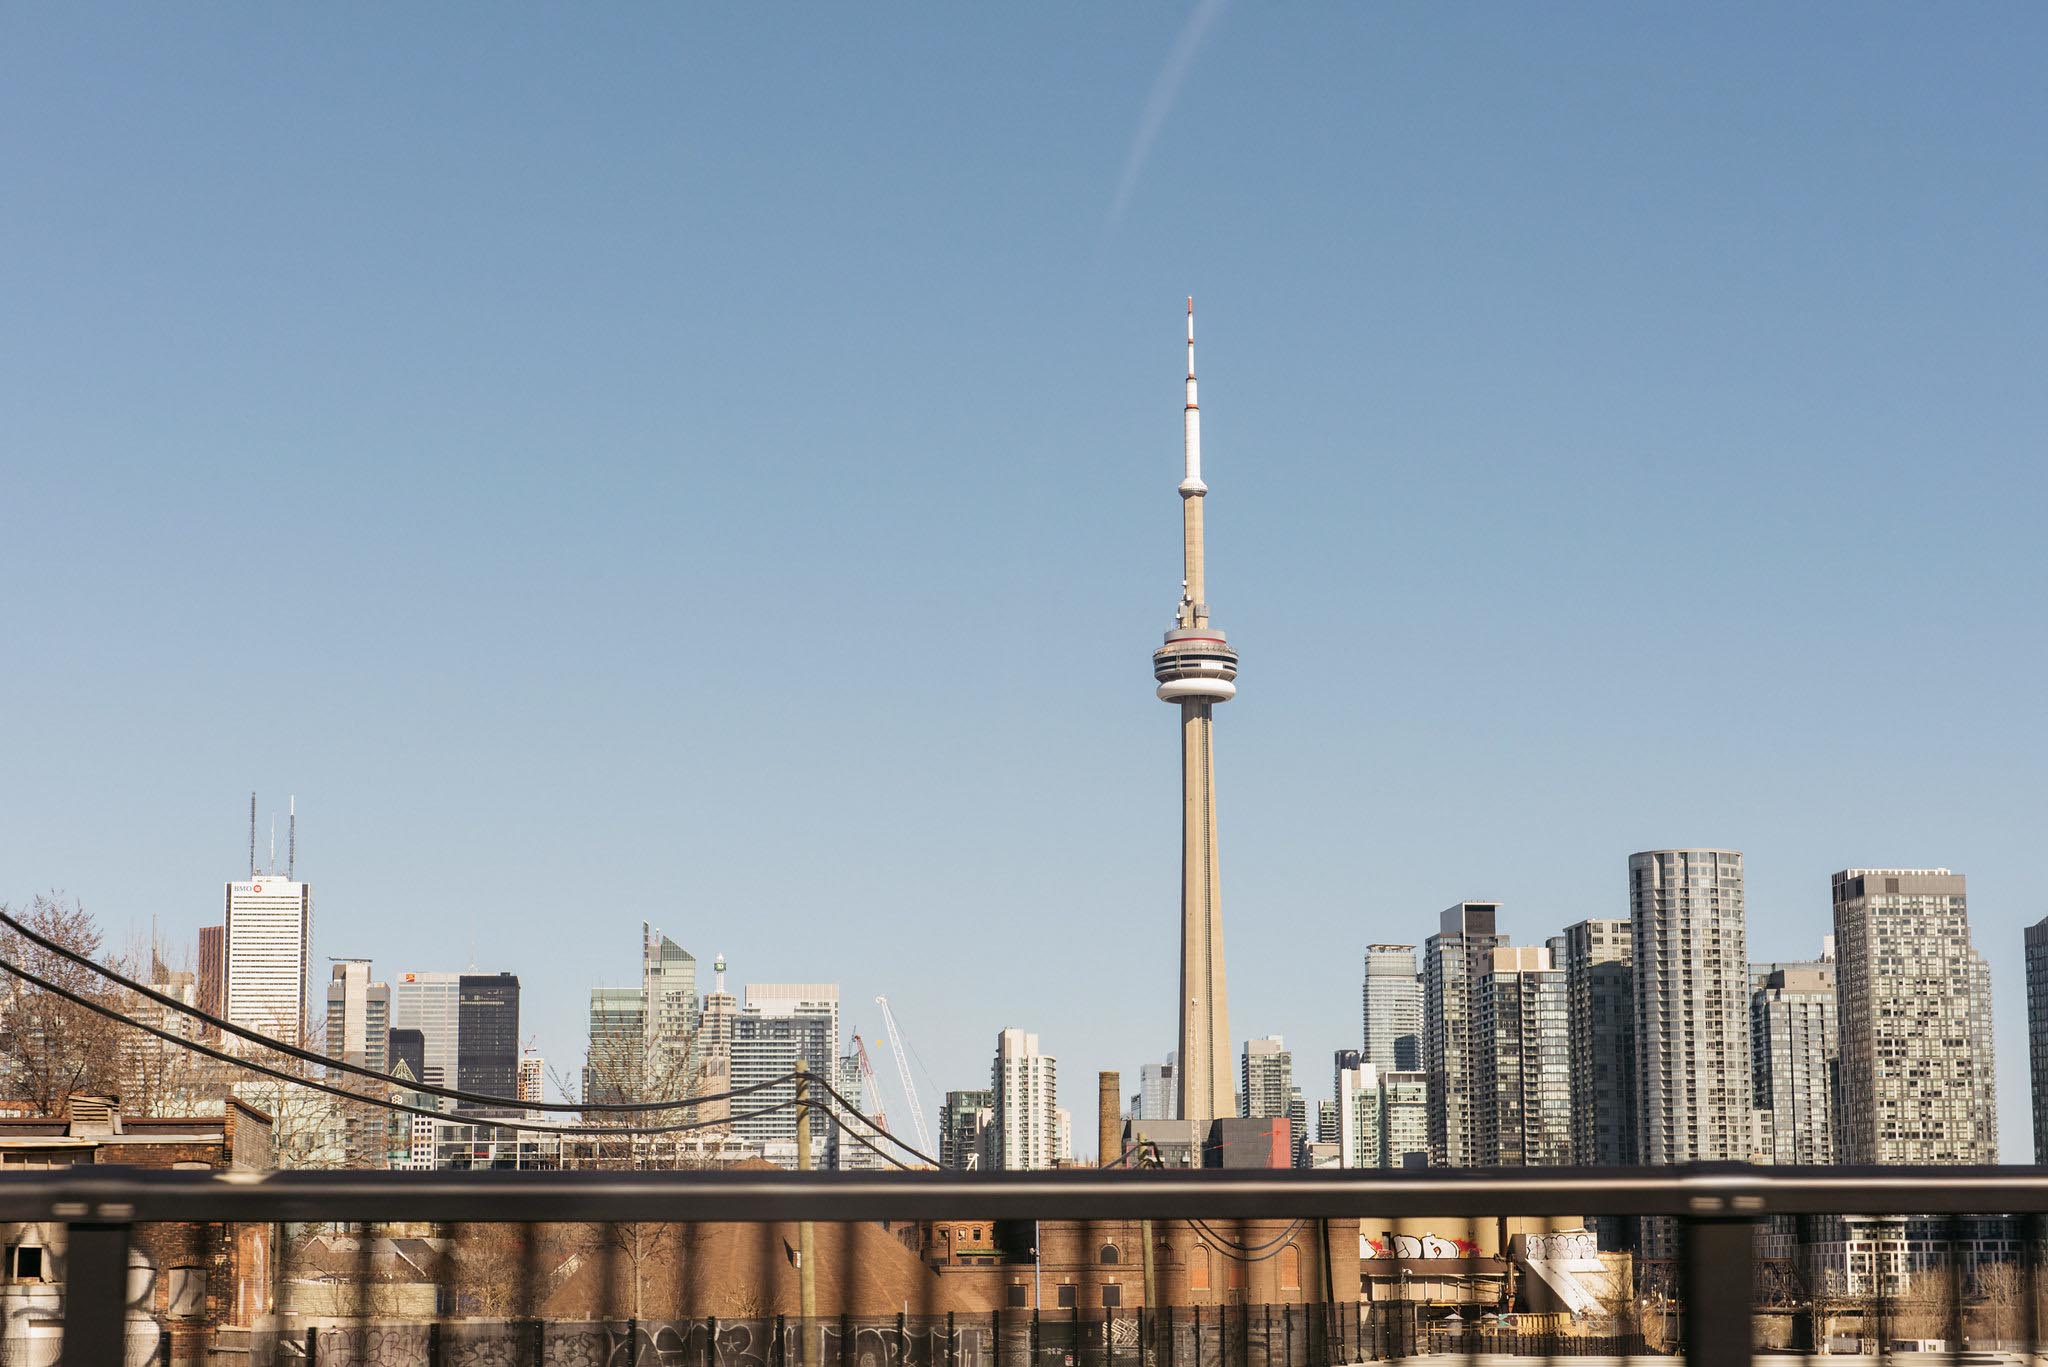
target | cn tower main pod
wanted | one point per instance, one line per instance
(1196, 669)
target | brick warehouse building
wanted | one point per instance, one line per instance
(208, 1282)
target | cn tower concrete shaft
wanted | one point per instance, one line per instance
(1195, 670)
(1204, 1073)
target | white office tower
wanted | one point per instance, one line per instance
(1392, 1008)
(1265, 1076)
(1523, 1100)
(668, 981)
(358, 1017)
(1024, 1129)
(1691, 965)
(1914, 1008)
(1063, 1135)
(431, 1003)
(1358, 1117)
(269, 934)
(781, 1023)
(1158, 1093)
(1792, 1040)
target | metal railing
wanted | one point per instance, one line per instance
(1710, 1217)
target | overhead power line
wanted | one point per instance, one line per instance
(316, 1085)
(836, 1095)
(305, 1055)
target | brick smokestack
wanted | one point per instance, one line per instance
(1109, 1117)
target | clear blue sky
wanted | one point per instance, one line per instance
(715, 466)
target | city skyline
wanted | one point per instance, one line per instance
(1751, 1036)
(525, 591)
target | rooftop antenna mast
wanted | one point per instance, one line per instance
(291, 845)
(252, 835)
(272, 865)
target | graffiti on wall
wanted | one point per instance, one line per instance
(1412, 1246)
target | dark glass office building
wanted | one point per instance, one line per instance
(487, 1035)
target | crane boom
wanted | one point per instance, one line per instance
(871, 1092)
(924, 1135)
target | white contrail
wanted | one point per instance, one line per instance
(1165, 88)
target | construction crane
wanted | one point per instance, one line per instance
(924, 1135)
(869, 1088)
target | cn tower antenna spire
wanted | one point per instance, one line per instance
(1195, 670)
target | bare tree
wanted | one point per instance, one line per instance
(311, 1128)
(159, 1077)
(1921, 1309)
(621, 1067)
(51, 1048)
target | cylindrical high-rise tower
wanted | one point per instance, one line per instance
(1195, 669)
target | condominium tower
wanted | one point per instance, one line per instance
(1453, 961)
(1792, 1038)
(2037, 1032)
(1266, 1074)
(1914, 1008)
(1195, 670)
(1392, 1008)
(1358, 1116)
(1691, 1006)
(1522, 1108)
(960, 1120)
(1599, 989)
(1024, 1092)
(781, 1023)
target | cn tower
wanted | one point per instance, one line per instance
(1195, 669)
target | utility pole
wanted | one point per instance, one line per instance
(806, 1266)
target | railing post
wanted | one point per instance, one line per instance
(434, 1344)
(95, 1291)
(952, 1352)
(540, 1342)
(1718, 1275)
(312, 1345)
(780, 1348)
(711, 1341)
(902, 1341)
(1034, 1337)
(1171, 1347)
